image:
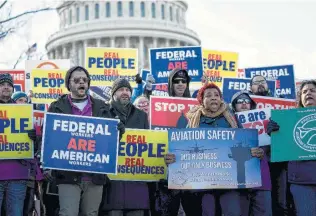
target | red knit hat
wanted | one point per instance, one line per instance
(207, 86)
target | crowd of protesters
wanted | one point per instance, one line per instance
(288, 188)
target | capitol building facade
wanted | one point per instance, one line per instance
(120, 24)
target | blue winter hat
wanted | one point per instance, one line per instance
(17, 95)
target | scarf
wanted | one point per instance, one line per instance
(122, 110)
(194, 115)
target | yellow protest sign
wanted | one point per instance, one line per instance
(47, 85)
(141, 156)
(219, 65)
(107, 64)
(15, 121)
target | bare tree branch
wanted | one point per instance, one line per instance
(3, 34)
(25, 13)
(1, 6)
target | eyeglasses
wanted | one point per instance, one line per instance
(258, 82)
(177, 81)
(243, 100)
(76, 80)
(143, 104)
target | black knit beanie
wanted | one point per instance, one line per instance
(6, 77)
(69, 72)
(119, 83)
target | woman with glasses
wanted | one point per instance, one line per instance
(257, 200)
(142, 103)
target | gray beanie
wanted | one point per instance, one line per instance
(6, 77)
(119, 83)
(69, 72)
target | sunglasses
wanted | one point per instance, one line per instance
(177, 81)
(76, 80)
(262, 82)
(243, 100)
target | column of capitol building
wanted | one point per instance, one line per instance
(121, 24)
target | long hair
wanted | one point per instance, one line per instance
(299, 94)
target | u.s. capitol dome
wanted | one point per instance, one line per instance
(121, 24)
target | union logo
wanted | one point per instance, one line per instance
(304, 133)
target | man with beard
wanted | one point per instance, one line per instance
(259, 86)
(128, 198)
(278, 171)
(80, 191)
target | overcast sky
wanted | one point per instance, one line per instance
(264, 33)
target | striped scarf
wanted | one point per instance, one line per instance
(194, 115)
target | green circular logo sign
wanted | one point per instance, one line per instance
(304, 133)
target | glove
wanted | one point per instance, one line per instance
(138, 79)
(120, 128)
(48, 175)
(32, 134)
(272, 127)
(149, 82)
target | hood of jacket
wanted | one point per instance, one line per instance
(253, 104)
(171, 92)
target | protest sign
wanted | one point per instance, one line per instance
(47, 85)
(144, 74)
(234, 85)
(63, 64)
(285, 85)
(273, 103)
(213, 158)
(18, 79)
(164, 60)
(241, 73)
(108, 64)
(160, 90)
(15, 122)
(169, 112)
(38, 119)
(296, 138)
(101, 92)
(141, 156)
(219, 65)
(85, 144)
(256, 119)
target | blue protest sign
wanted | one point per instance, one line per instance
(79, 143)
(234, 85)
(160, 90)
(144, 74)
(101, 92)
(164, 60)
(284, 75)
(208, 158)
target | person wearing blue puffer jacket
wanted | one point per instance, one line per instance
(301, 174)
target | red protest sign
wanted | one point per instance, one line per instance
(169, 112)
(18, 79)
(38, 119)
(273, 103)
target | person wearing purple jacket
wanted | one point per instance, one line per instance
(302, 174)
(259, 203)
(78, 191)
(14, 173)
